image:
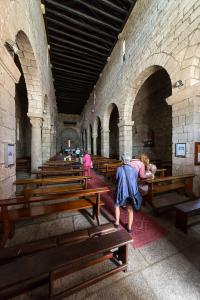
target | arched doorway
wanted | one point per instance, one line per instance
(152, 116)
(98, 136)
(91, 140)
(23, 126)
(114, 133)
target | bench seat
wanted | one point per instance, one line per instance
(57, 262)
(185, 210)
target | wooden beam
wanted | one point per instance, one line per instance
(79, 31)
(114, 6)
(67, 42)
(100, 11)
(81, 80)
(75, 37)
(72, 72)
(70, 55)
(74, 63)
(81, 25)
(83, 70)
(82, 15)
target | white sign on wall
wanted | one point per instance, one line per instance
(9, 153)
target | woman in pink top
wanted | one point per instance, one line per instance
(87, 163)
(142, 167)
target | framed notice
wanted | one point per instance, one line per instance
(180, 149)
(197, 153)
(9, 154)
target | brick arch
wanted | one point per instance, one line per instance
(31, 73)
(146, 69)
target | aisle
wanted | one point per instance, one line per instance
(144, 230)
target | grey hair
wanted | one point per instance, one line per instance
(126, 159)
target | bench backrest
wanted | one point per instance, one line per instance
(70, 195)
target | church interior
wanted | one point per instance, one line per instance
(88, 88)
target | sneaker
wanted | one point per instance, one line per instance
(127, 229)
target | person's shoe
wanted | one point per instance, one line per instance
(116, 225)
(127, 229)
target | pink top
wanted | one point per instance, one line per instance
(87, 160)
(139, 166)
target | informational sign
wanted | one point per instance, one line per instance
(9, 152)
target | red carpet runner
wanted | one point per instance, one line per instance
(144, 229)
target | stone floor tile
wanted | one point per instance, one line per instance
(131, 287)
(158, 250)
(174, 278)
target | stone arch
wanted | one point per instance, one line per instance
(31, 73)
(69, 133)
(145, 69)
(113, 131)
(152, 117)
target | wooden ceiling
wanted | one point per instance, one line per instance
(81, 35)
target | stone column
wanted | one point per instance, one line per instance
(105, 142)
(94, 136)
(88, 141)
(125, 137)
(185, 129)
(36, 142)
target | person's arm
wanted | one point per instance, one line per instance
(142, 173)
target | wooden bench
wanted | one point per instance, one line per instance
(54, 263)
(83, 199)
(11, 253)
(184, 211)
(27, 182)
(46, 173)
(23, 164)
(168, 184)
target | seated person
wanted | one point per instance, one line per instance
(76, 164)
(67, 157)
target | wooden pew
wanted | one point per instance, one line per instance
(83, 199)
(167, 184)
(46, 173)
(52, 180)
(184, 211)
(49, 265)
(11, 253)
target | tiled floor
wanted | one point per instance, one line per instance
(167, 269)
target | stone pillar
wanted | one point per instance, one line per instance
(94, 136)
(88, 141)
(36, 142)
(185, 129)
(125, 137)
(105, 142)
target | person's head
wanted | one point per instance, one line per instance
(126, 158)
(145, 159)
(76, 159)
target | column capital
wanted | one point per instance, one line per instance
(94, 135)
(105, 130)
(36, 121)
(125, 123)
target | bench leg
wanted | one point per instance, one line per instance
(181, 220)
(6, 226)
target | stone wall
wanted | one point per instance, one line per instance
(158, 34)
(22, 27)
